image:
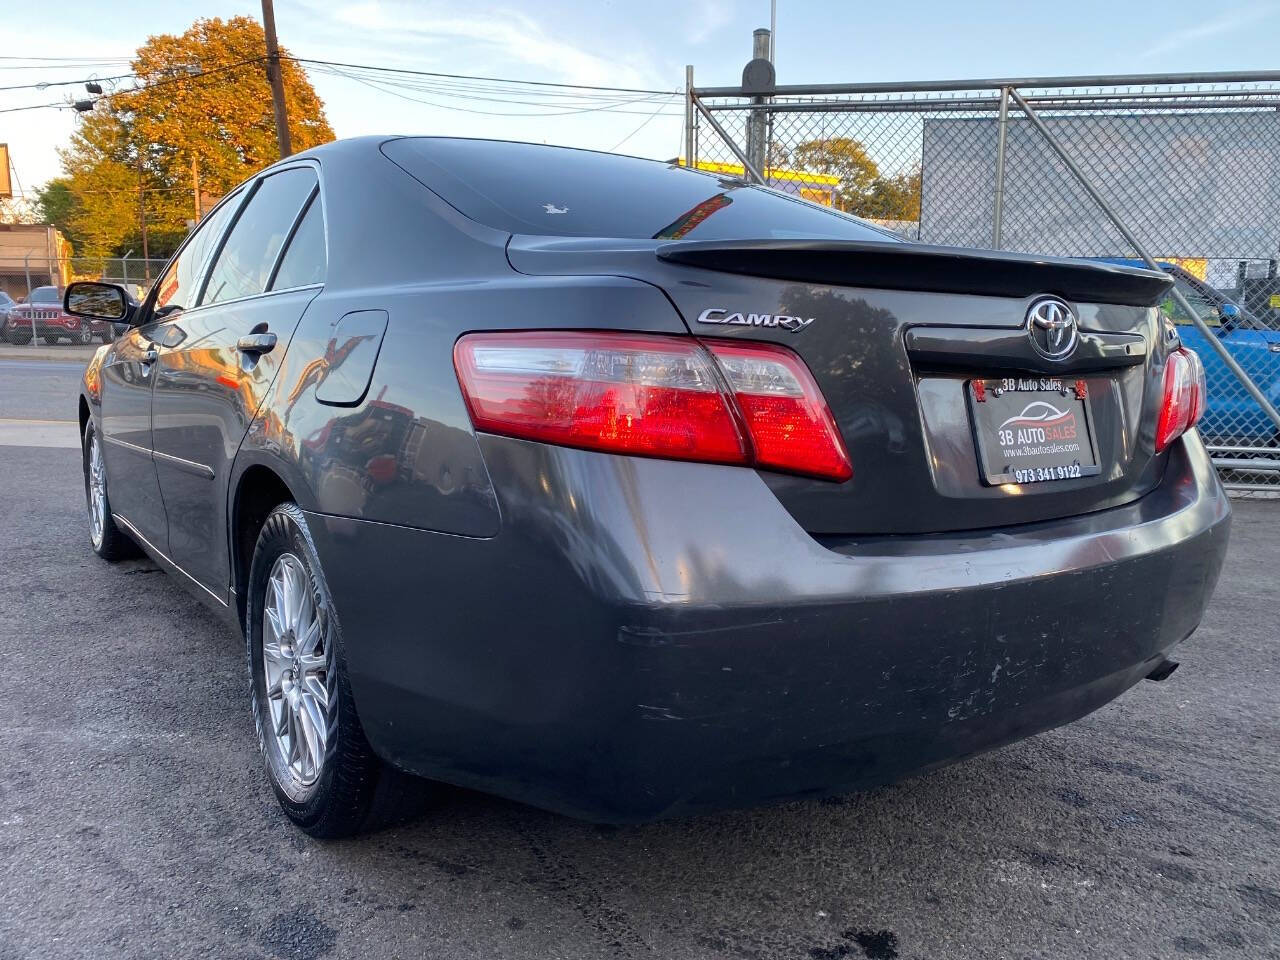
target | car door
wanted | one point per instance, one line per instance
(217, 360)
(1232, 417)
(127, 377)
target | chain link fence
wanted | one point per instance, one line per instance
(20, 276)
(40, 281)
(1191, 172)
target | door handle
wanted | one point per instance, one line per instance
(256, 343)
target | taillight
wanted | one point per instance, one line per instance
(790, 424)
(652, 395)
(1184, 396)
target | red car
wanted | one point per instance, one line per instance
(44, 307)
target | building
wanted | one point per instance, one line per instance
(815, 187)
(32, 255)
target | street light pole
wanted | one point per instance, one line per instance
(277, 82)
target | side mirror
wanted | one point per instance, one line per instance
(98, 301)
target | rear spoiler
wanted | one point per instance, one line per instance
(914, 266)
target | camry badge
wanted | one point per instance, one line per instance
(1051, 325)
(720, 315)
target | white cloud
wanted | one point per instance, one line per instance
(1227, 23)
(495, 36)
(706, 18)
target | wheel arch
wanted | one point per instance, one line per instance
(83, 415)
(259, 488)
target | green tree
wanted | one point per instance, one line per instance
(893, 198)
(840, 157)
(863, 191)
(55, 204)
(201, 96)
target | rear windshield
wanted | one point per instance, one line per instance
(557, 191)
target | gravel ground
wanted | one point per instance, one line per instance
(135, 821)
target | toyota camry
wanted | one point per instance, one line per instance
(629, 491)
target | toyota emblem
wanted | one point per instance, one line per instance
(1051, 325)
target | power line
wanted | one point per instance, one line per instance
(644, 123)
(462, 76)
(67, 83)
(612, 106)
(66, 59)
(193, 77)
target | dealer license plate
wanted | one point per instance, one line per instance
(1032, 429)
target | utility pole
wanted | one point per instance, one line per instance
(277, 83)
(195, 186)
(757, 126)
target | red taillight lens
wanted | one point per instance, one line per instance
(652, 395)
(1184, 396)
(649, 395)
(789, 421)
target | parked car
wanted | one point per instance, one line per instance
(52, 323)
(503, 491)
(1232, 417)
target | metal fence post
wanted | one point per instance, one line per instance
(26, 267)
(1002, 131)
(1210, 337)
(689, 114)
(753, 174)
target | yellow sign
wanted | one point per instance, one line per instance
(1274, 301)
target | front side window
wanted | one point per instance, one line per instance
(244, 264)
(303, 262)
(1207, 310)
(177, 288)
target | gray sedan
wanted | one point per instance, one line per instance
(631, 491)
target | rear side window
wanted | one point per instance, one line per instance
(304, 258)
(245, 262)
(526, 188)
(178, 287)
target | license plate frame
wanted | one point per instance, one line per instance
(1050, 413)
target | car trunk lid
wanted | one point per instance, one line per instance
(896, 336)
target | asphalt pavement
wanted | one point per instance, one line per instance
(135, 821)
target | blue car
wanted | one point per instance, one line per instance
(1232, 418)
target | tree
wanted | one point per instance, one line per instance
(862, 191)
(16, 210)
(841, 157)
(893, 198)
(55, 204)
(202, 95)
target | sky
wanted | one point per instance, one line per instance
(631, 44)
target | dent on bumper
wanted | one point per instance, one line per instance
(625, 648)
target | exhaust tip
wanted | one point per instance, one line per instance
(1163, 670)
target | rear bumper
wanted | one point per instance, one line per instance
(647, 638)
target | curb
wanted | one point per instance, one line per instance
(77, 355)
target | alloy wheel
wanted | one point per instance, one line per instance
(295, 662)
(86, 333)
(97, 491)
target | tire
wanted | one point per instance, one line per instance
(19, 339)
(105, 537)
(327, 779)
